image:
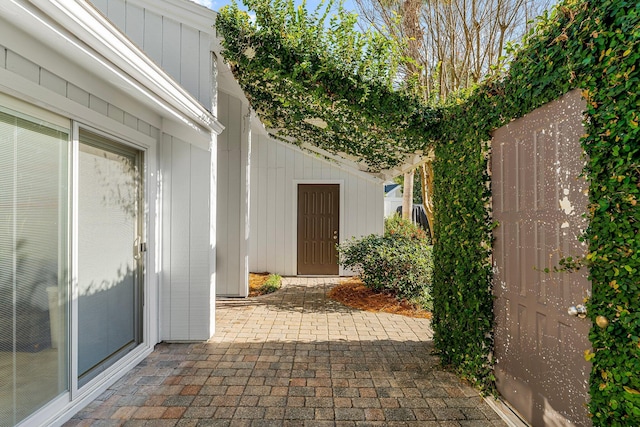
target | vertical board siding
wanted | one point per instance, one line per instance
(274, 170)
(186, 291)
(166, 149)
(252, 250)
(181, 50)
(207, 78)
(199, 298)
(221, 196)
(231, 193)
(179, 240)
(190, 60)
(259, 229)
(152, 41)
(171, 39)
(117, 12)
(232, 206)
(134, 25)
(102, 4)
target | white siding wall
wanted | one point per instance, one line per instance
(275, 171)
(187, 273)
(34, 72)
(232, 198)
(186, 308)
(180, 49)
(391, 204)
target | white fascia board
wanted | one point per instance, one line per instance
(96, 39)
(411, 162)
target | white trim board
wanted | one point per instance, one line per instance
(85, 35)
(509, 415)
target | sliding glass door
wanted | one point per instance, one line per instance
(109, 253)
(71, 259)
(34, 358)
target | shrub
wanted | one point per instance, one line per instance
(395, 225)
(398, 261)
(272, 284)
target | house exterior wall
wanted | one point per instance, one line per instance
(78, 96)
(175, 41)
(46, 70)
(233, 197)
(187, 285)
(276, 169)
(391, 204)
(178, 36)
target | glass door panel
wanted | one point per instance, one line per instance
(33, 264)
(109, 278)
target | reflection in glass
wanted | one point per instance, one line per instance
(108, 283)
(33, 264)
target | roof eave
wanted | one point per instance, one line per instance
(93, 33)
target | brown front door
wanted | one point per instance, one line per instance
(318, 228)
(539, 200)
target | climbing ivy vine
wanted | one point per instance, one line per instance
(323, 84)
(593, 46)
(315, 79)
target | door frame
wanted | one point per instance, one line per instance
(294, 209)
(73, 117)
(149, 293)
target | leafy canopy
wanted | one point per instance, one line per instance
(314, 79)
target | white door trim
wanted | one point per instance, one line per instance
(294, 223)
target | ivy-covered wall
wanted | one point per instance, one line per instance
(590, 45)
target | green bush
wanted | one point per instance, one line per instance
(398, 261)
(272, 284)
(395, 225)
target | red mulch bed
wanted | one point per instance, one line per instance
(255, 282)
(351, 292)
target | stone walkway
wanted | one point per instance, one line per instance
(294, 358)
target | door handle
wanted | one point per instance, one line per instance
(579, 311)
(335, 234)
(138, 248)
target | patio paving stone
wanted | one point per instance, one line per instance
(294, 358)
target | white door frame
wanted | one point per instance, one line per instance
(294, 223)
(149, 293)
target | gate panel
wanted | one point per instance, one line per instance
(539, 203)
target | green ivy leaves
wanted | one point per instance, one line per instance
(297, 70)
(292, 69)
(595, 46)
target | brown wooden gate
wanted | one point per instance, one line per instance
(318, 228)
(539, 201)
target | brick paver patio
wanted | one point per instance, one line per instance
(294, 358)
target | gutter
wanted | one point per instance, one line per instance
(132, 65)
